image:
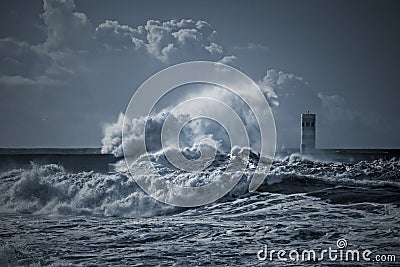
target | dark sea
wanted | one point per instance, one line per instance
(50, 217)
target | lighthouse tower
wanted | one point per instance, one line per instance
(307, 133)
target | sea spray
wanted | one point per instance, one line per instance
(49, 189)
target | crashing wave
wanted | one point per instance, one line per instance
(49, 189)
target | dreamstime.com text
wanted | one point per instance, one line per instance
(338, 253)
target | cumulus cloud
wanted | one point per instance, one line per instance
(285, 88)
(169, 41)
(115, 36)
(65, 27)
(47, 63)
(72, 40)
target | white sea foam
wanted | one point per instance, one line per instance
(49, 189)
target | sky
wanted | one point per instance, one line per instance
(68, 68)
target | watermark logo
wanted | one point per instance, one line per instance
(153, 90)
(334, 254)
(341, 243)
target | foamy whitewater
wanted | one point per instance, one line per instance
(52, 217)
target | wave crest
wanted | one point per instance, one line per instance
(49, 189)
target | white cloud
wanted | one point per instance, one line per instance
(252, 46)
(278, 86)
(118, 37)
(214, 48)
(72, 41)
(174, 41)
(65, 28)
(48, 63)
(229, 60)
(19, 80)
(169, 41)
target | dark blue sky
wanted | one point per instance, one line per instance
(68, 68)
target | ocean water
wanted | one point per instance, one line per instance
(53, 218)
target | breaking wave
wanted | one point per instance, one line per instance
(378, 173)
(49, 189)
